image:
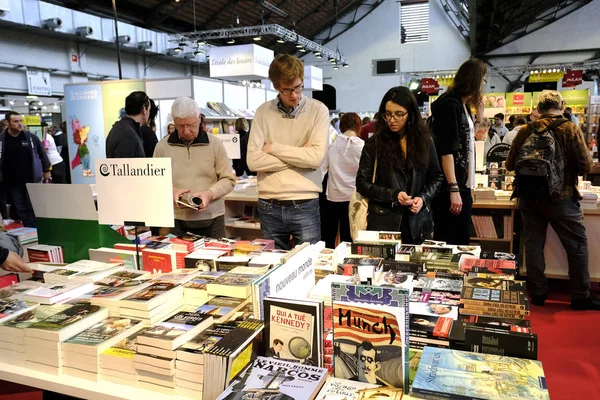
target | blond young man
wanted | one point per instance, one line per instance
(287, 144)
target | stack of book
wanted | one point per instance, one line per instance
(189, 363)
(127, 257)
(235, 283)
(116, 362)
(188, 242)
(204, 259)
(155, 355)
(494, 298)
(25, 235)
(195, 292)
(43, 350)
(227, 358)
(58, 293)
(115, 287)
(84, 270)
(45, 253)
(491, 267)
(163, 260)
(153, 303)
(81, 353)
(12, 299)
(12, 332)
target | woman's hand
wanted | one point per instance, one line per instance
(455, 203)
(416, 205)
(404, 199)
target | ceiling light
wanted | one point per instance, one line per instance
(299, 46)
(280, 40)
(26, 103)
(201, 42)
(331, 58)
(44, 108)
(317, 53)
(198, 52)
(176, 1)
(55, 107)
(336, 66)
(34, 107)
(207, 56)
(174, 51)
(345, 65)
(536, 72)
(244, 83)
(237, 19)
(544, 71)
(178, 49)
(414, 85)
(303, 50)
(11, 102)
(257, 38)
(40, 103)
(318, 56)
(231, 41)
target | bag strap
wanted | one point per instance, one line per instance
(374, 171)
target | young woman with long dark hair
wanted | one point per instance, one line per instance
(454, 133)
(408, 174)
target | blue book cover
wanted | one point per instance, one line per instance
(454, 374)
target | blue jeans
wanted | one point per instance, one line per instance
(301, 220)
(566, 218)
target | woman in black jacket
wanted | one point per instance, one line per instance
(408, 174)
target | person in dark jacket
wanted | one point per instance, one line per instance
(241, 165)
(124, 139)
(408, 175)
(454, 131)
(22, 160)
(148, 131)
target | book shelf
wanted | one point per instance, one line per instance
(501, 207)
(235, 205)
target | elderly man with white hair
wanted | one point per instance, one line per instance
(201, 168)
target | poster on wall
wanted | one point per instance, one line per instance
(85, 130)
(518, 103)
(576, 99)
(494, 104)
(113, 101)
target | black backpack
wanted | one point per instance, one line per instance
(540, 167)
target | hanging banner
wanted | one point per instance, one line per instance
(85, 130)
(113, 101)
(38, 82)
(572, 78)
(31, 120)
(518, 103)
(546, 77)
(313, 78)
(576, 99)
(494, 104)
(430, 86)
(445, 81)
(432, 99)
(247, 61)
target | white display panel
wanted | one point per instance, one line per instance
(207, 90)
(235, 96)
(169, 89)
(271, 95)
(256, 97)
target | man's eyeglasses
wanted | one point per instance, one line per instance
(192, 127)
(298, 89)
(397, 115)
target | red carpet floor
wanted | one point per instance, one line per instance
(569, 346)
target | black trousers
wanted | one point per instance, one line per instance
(59, 173)
(334, 215)
(450, 228)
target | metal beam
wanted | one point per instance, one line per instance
(161, 12)
(542, 53)
(329, 37)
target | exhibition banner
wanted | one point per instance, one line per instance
(313, 78)
(494, 104)
(572, 78)
(518, 103)
(247, 61)
(113, 100)
(546, 77)
(430, 86)
(85, 130)
(576, 99)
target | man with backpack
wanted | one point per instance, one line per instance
(547, 156)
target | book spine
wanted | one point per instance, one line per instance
(491, 314)
(434, 395)
(501, 343)
(493, 304)
(499, 309)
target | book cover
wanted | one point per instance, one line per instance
(386, 251)
(500, 266)
(17, 290)
(434, 309)
(495, 322)
(199, 283)
(67, 317)
(502, 342)
(103, 331)
(497, 255)
(207, 339)
(126, 277)
(439, 284)
(268, 378)
(370, 344)
(126, 348)
(151, 292)
(178, 277)
(509, 299)
(292, 331)
(220, 307)
(58, 292)
(494, 283)
(175, 326)
(430, 326)
(403, 266)
(460, 374)
(33, 316)
(342, 389)
(12, 307)
(447, 298)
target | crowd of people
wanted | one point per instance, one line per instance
(416, 176)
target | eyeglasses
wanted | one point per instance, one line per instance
(484, 81)
(366, 358)
(298, 89)
(397, 115)
(192, 127)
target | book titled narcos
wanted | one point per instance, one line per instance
(177, 330)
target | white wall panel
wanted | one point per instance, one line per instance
(235, 96)
(207, 90)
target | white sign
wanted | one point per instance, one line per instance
(231, 142)
(313, 78)
(38, 82)
(135, 190)
(247, 61)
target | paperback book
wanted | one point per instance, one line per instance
(342, 389)
(457, 374)
(507, 299)
(101, 336)
(176, 330)
(13, 329)
(57, 293)
(438, 284)
(193, 351)
(447, 298)
(434, 309)
(152, 296)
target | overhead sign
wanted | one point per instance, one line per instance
(31, 120)
(494, 104)
(572, 78)
(313, 78)
(445, 81)
(135, 190)
(518, 103)
(576, 99)
(430, 86)
(546, 77)
(231, 142)
(247, 61)
(38, 82)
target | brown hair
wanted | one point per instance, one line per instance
(350, 121)
(469, 81)
(241, 124)
(285, 68)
